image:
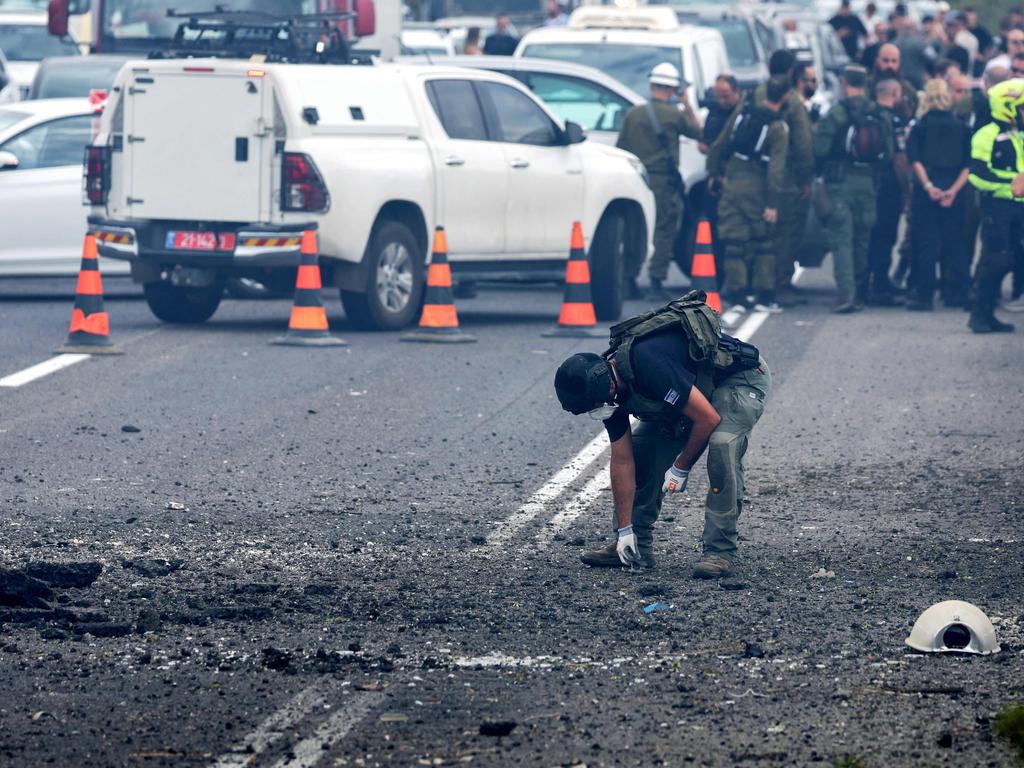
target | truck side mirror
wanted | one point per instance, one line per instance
(366, 18)
(574, 134)
(9, 161)
(57, 21)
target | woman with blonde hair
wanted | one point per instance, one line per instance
(938, 149)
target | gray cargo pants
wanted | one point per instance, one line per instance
(739, 400)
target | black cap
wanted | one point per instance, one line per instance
(582, 382)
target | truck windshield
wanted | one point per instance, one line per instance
(147, 19)
(629, 64)
(739, 43)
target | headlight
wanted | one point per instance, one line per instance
(639, 168)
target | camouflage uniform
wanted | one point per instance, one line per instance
(640, 137)
(793, 204)
(751, 186)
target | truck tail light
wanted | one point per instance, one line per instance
(302, 187)
(97, 175)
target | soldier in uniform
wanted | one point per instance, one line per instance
(651, 131)
(851, 143)
(997, 172)
(795, 196)
(692, 387)
(750, 155)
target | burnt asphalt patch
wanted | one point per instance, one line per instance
(293, 522)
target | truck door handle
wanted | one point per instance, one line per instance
(454, 160)
(518, 163)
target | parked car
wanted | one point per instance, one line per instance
(41, 149)
(748, 59)
(626, 44)
(25, 41)
(419, 40)
(375, 156)
(574, 92)
(62, 77)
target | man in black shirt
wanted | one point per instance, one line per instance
(849, 28)
(656, 457)
(501, 42)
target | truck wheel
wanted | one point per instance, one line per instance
(394, 282)
(174, 304)
(608, 264)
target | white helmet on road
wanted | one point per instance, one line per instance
(954, 626)
(664, 74)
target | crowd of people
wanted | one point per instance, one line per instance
(926, 132)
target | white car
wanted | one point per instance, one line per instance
(42, 144)
(626, 44)
(375, 157)
(25, 41)
(426, 41)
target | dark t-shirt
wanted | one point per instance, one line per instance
(663, 370)
(855, 32)
(500, 45)
(955, 154)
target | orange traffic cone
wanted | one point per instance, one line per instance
(89, 333)
(577, 317)
(307, 326)
(702, 273)
(439, 321)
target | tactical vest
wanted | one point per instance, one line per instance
(698, 322)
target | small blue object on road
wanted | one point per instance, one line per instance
(658, 607)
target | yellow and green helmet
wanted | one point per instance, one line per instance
(1006, 100)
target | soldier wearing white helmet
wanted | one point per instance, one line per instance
(651, 132)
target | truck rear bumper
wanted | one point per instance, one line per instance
(238, 245)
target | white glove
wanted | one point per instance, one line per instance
(675, 480)
(626, 547)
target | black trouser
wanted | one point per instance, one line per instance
(1001, 231)
(938, 230)
(889, 206)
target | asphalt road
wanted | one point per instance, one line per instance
(346, 556)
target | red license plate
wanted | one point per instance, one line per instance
(201, 241)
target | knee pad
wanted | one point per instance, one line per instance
(723, 464)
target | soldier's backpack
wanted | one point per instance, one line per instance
(865, 137)
(689, 315)
(750, 131)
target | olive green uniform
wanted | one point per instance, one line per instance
(751, 186)
(910, 98)
(793, 203)
(739, 399)
(851, 191)
(639, 136)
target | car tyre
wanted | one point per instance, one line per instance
(178, 304)
(608, 265)
(394, 281)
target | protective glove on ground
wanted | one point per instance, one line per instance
(675, 480)
(626, 548)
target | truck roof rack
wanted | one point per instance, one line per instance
(300, 39)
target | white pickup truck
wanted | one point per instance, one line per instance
(206, 168)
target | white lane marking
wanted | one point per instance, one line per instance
(308, 752)
(586, 497)
(732, 316)
(551, 490)
(750, 326)
(39, 370)
(270, 730)
(580, 503)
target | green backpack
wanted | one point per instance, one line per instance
(691, 315)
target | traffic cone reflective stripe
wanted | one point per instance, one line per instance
(577, 317)
(702, 272)
(439, 322)
(89, 330)
(307, 325)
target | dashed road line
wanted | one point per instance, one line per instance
(582, 501)
(39, 370)
(310, 751)
(271, 729)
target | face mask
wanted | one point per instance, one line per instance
(602, 412)
(809, 92)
